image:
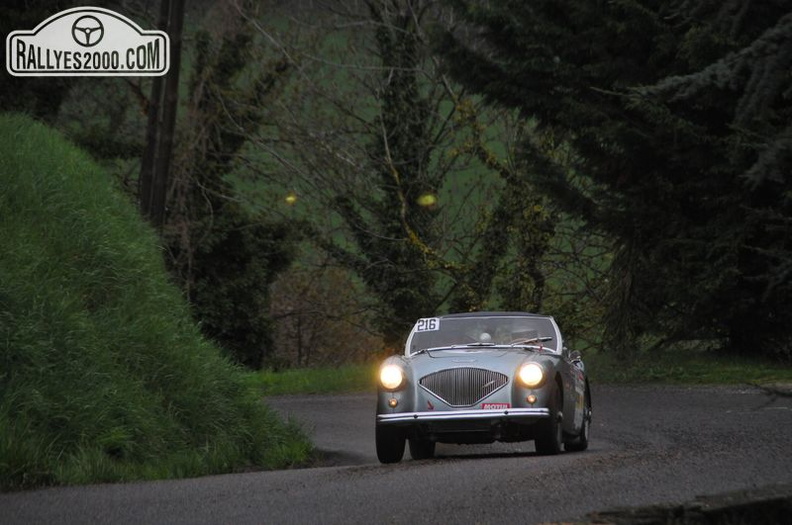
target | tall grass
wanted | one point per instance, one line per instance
(323, 380)
(103, 377)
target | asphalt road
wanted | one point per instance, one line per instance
(649, 445)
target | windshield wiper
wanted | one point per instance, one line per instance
(530, 340)
(462, 345)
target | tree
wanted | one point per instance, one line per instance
(419, 203)
(320, 321)
(750, 135)
(224, 254)
(676, 115)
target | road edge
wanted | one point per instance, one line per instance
(769, 504)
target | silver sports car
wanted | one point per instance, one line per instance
(482, 377)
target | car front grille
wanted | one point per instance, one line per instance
(463, 387)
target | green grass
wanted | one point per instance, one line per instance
(675, 367)
(103, 375)
(341, 380)
(687, 367)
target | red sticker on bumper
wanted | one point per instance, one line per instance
(490, 406)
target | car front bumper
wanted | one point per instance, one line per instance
(525, 415)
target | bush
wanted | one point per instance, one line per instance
(103, 377)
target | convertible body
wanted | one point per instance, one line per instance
(482, 377)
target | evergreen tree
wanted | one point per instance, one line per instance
(388, 255)
(678, 114)
(224, 255)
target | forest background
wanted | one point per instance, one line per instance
(340, 168)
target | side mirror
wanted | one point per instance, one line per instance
(576, 358)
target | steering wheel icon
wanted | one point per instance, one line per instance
(87, 31)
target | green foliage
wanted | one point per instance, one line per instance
(234, 267)
(388, 252)
(102, 375)
(686, 366)
(679, 124)
(322, 380)
(225, 256)
(418, 243)
(740, 106)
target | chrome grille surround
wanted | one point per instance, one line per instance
(463, 387)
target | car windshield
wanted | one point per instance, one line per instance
(484, 331)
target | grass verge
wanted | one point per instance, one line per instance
(103, 376)
(674, 367)
(687, 367)
(340, 380)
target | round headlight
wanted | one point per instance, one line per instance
(391, 377)
(531, 375)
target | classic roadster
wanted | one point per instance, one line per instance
(482, 377)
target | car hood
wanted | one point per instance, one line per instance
(500, 359)
(466, 353)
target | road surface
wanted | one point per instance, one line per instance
(649, 445)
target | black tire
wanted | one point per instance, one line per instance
(390, 444)
(421, 448)
(549, 434)
(581, 441)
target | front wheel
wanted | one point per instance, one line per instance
(549, 437)
(390, 444)
(581, 441)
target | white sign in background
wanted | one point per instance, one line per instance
(87, 41)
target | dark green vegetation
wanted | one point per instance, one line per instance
(687, 367)
(103, 375)
(385, 254)
(343, 167)
(317, 380)
(678, 117)
(224, 255)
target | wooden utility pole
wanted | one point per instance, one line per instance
(164, 101)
